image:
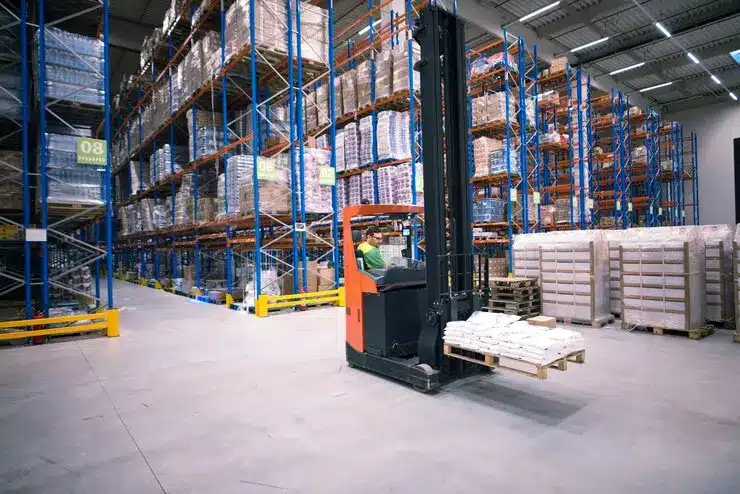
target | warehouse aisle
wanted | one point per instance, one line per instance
(195, 398)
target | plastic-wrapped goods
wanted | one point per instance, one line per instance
(488, 210)
(146, 214)
(310, 112)
(11, 180)
(364, 76)
(366, 141)
(574, 275)
(402, 188)
(354, 190)
(349, 91)
(507, 336)
(342, 201)
(274, 186)
(163, 214)
(368, 187)
(322, 105)
(221, 196)
(718, 250)
(663, 280)
(164, 163)
(482, 149)
(68, 181)
(614, 239)
(339, 152)
(238, 173)
(208, 130)
(74, 65)
(518, 208)
(400, 64)
(317, 197)
(386, 181)
(314, 33)
(184, 201)
(352, 146)
(392, 136)
(384, 75)
(497, 162)
(338, 103)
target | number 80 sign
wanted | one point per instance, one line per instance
(92, 151)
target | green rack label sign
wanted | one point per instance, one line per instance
(267, 169)
(92, 151)
(327, 175)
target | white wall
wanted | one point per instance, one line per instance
(716, 126)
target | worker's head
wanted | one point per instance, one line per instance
(374, 236)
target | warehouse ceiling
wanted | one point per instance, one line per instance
(710, 29)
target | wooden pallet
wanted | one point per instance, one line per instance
(496, 283)
(511, 290)
(723, 324)
(530, 369)
(515, 297)
(514, 304)
(596, 323)
(694, 334)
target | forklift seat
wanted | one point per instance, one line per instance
(357, 237)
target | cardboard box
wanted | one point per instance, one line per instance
(545, 321)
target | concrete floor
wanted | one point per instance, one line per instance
(196, 398)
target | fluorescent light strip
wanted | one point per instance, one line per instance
(619, 71)
(732, 95)
(367, 28)
(715, 79)
(539, 11)
(662, 29)
(656, 87)
(587, 45)
(693, 57)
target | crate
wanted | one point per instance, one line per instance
(538, 371)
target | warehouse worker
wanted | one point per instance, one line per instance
(371, 257)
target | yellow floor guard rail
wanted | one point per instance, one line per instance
(267, 302)
(108, 321)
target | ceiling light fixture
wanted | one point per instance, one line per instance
(587, 45)
(539, 11)
(693, 57)
(732, 95)
(656, 87)
(715, 79)
(367, 28)
(662, 29)
(625, 69)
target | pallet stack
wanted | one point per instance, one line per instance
(516, 296)
(663, 283)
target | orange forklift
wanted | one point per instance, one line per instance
(396, 315)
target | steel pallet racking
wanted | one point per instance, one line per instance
(64, 233)
(252, 86)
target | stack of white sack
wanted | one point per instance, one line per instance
(507, 336)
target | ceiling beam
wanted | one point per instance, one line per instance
(688, 26)
(677, 61)
(490, 19)
(578, 18)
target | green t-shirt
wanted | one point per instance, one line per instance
(371, 256)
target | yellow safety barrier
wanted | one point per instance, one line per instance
(267, 302)
(108, 320)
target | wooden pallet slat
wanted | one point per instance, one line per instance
(538, 371)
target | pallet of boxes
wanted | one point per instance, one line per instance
(662, 277)
(573, 272)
